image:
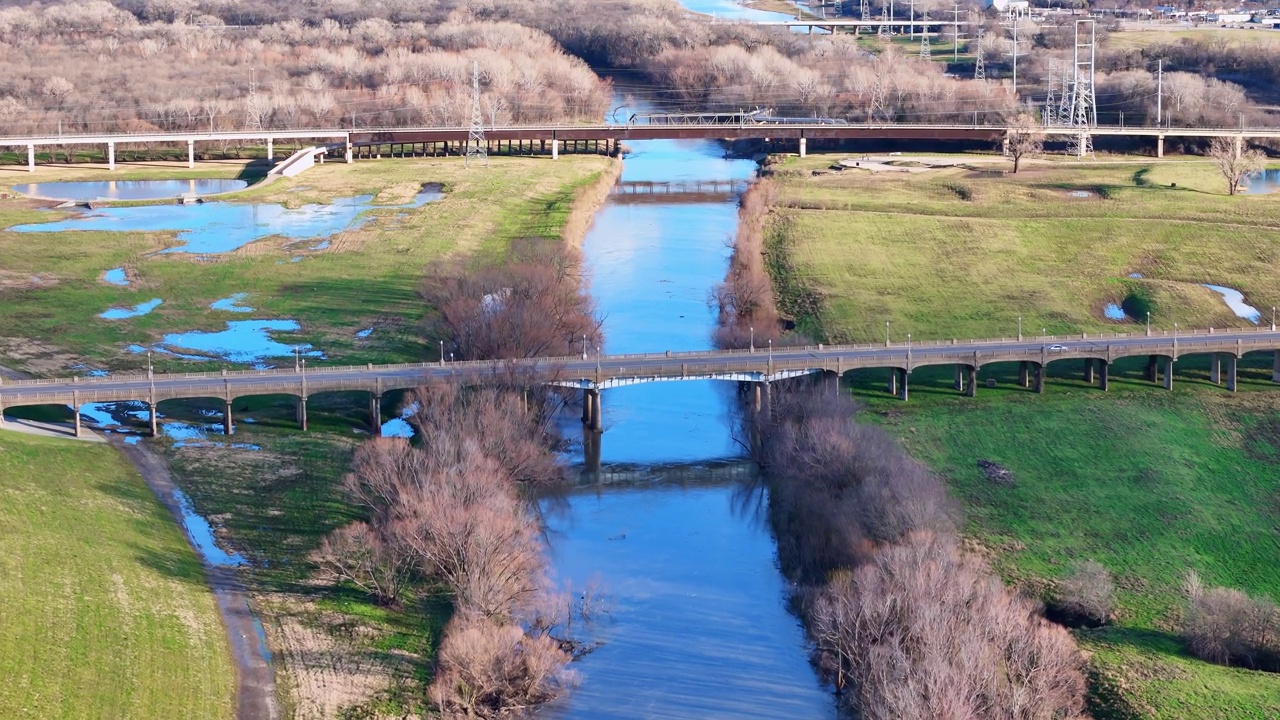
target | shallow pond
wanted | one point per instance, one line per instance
(219, 227)
(244, 341)
(1114, 312)
(1235, 300)
(232, 304)
(1263, 182)
(116, 276)
(128, 189)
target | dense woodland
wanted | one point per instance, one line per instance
(137, 65)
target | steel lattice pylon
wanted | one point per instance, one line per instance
(476, 145)
(979, 68)
(924, 39)
(1084, 106)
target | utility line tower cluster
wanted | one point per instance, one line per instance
(1070, 100)
(476, 146)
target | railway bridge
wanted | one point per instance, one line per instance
(760, 366)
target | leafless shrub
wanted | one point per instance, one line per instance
(1025, 138)
(1228, 627)
(378, 564)
(532, 305)
(744, 300)
(1086, 597)
(922, 630)
(487, 670)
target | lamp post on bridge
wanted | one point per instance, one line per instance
(886, 333)
(584, 346)
(296, 356)
(1019, 328)
(1148, 323)
(441, 353)
(1273, 318)
(150, 372)
(753, 332)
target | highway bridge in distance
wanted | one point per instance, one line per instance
(351, 144)
(592, 374)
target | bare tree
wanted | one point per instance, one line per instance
(1236, 167)
(1024, 137)
(378, 564)
(1228, 627)
(1087, 595)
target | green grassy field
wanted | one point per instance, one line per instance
(1149, 483)
(1266, 38)
(367, 277)
(104, 610)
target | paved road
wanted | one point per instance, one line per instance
(642, 367)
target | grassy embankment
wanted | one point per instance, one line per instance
(1151, 484)
(104, 610)
(366, 278)
(336, 652)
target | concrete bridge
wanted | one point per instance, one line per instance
(592, 374)
(348, 145)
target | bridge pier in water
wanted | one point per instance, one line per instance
(591, 419)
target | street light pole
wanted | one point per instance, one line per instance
(1148, 323)
(1273, 318)
(441, 353)
(149, 371)
(753, 338)
(886, 333)
(296, 356)
(584, 346)
(1019, 328)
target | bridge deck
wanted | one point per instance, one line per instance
(616, 370)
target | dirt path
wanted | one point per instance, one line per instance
(255, 686)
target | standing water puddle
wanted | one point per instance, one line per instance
(138, 310)
(1235, 300)
(1114, 312)
(116, 276)
(201, 534)
(1263, 182)
(213, 228)
(128, 189)
(232, 304)
(244, 341)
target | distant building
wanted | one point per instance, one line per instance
(1005, 6)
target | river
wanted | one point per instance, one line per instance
(698, 625)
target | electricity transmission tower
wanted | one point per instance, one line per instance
(979, 68)
(1084, 106)
(1049, 114)
(476, 146)
(884, 21)
(924, 39)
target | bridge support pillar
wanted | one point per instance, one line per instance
(959, 381)
(1104, 374)
(803, 146)
(1232, 361)
(191, 154)
(555, 149)
(375, 414)
(75, 418)
(348, 152)
(1039, 378)
(271, 149)
(591, 451)
(903, 391)
(1004, 146)
(755, 397)
(1159, 146)
(227, 420)
(591, 410)
(31, 158)
(1275, 367)
(111, 156)
(1239, 146)
(893, 381)
(155, 429)
(597, 415)
(971, 381)
(1088, 370)
(1215, 369)
(302, 413)
(1152, 368)
(1024, 378)
(1168, 373)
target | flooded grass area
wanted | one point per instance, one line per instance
(97, 575)
(87, 190)
(365, 277)
(940, 267)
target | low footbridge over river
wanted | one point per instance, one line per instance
(592, 374)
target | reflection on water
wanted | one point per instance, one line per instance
(1263, 182)
(699, 626)
(218, 227)
(1235, 300)
(696, 626)
(244, 341)
(128, 189)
